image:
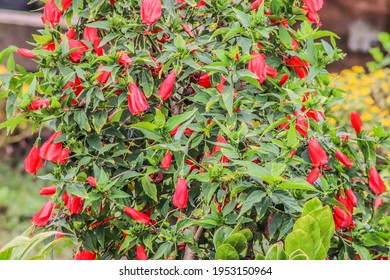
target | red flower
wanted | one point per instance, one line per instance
(166, 161)
(257, 66)
(141, 254)
(51, 47)
(313, 175)
(137, 215)
(50, 151)
(351, 197)
(91, 34)
(167, 86)
(314, 5)
(39, 104)
(283, 80)
(346, 202)
(51, 13)
(77, 49)
(71, 33)
(375, 182)
(217, 148)
(74, 204)
(41, 218)
(255, 5)
(137, 102)
(204, 81)
(103, 76)
(25, 53)
(85, 255)
(200, 4)
(150, 11)
(356, 121)
(47, 191)
(344, 160)
(62, 156)
(317, 154)
(66, 4)
(341, 218)
(77, 88)
(125, 60)
(92, 181)
(33, 161)
(301, 125)
(378, 202)
(187, 131)
(299, 66)
(180, 197)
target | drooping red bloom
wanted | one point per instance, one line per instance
(317, 154)
(137, 215)
(51, 13)
(92, 181)
(201, 3)
(375, 182)
(77, 49)
(180, 197)
(47, 191)
(299, 66)
(39, 104)
(66, 4)
(283, 80)
(71, 33)
(187, 131)
(25, 53)
(344, 160)
(257, 66)
(351, 197)
(76, 87)
(204, 81)
(62, 156)
(167, 86)
(151, 11)
(91, 34)
(50, 151)
(85, 255)
(341, 218)
(74, 204)
(356, 122)
(112, 2)
(33, 161)
(41, 218)
(141, 254)
(103, 76)
(51, 47)
(378, 202)
(255, 5)
(346, 202)
(136, 100)
(217, 148)
(313, 175)
(314, 5)
(125, 60)
(166, 161)
(301, 125)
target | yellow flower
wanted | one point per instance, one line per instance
(3, 69)
(385, 122)
(358, 69)
(366, 116)
(368, 101)
(375, 109)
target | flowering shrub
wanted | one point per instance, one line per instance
(195, 129)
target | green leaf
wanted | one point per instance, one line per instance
(95, 142)
(99, 119)
(292, 139)
(297, 184)
(237, 241)
(82, 120)
(285, 37)
(220, 235)
(228, 98)
(163, 250)
(311, 205)
(299, 255)
(254, 197)
(226, 252)
(148, 129)
(243, 18)
(309, 225)
(299, 239)
(276, 252)
(149, 188)
(174, 121)
(77, 189)
(7, 51)
(159, 119)
(248, 76)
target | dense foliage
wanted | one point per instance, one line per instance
(187, 129)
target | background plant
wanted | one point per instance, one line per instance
(169, 127)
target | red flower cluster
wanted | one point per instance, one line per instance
(343, 219)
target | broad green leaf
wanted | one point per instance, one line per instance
(220, 235)
(309, 225)
(99, 119)
(163, 250)
(77, 189)
(254, 197)
(311, 205)
(82, 120)
(276, 252)
(227, 97)
(149, 188)
(243, 18)
(297, 184)
(174, 121)
(237, 241)
(226, 252)
(299, 239)
(299, 255)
